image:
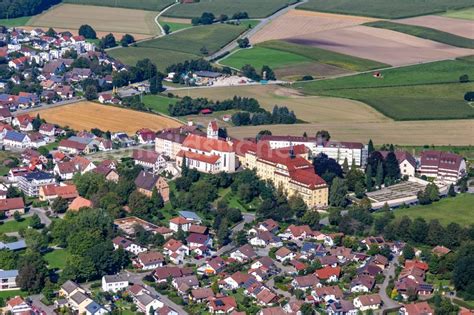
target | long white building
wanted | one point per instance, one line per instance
(337, 150)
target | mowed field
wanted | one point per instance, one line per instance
(255, 9)
(88, 115)
(421, 92)
(102, 19)
(151, 5)
(346, 119)
(385, 9)
(299, 22)
(289, 60)
(180, 46)
(381, 45)
(464, 28)
(466, 14)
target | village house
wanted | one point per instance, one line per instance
(368, 302)
(47, 130)
(150, 260)
(149, 159)
(244, 253)
(146, 181)
(284, 254)
(162, 274)
(79, 203)
(128, 245)
(417, 309)
(362, 283)
(327, 293)
(266, 238)
(195, 241)
(305, 282)
(212, 266)
(406, 161)
(18, 306)
(16, 140)
(329, 274)
(9, 206)
(175, 250)
(341, 307)
(51, 192)
(8, 280)
(222, 305)
(146, 136)
(114, 283)
(201, 295)
(185, 284)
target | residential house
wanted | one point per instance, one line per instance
(284, 254)
(362, 283)
(406, 162)
(195, 241)
(177, 223)
(114, 283)
(47, 130)
(9, 206)
(31, 182)
(212, 266)
(147, 303)
(79, 203)
(8, 280)
(146, 136)
(341, 307)
(418, 308)
(222, 305)
(201, 295)
(305, 282)
(150, 260)
(244, 253)
(146, 181)
(128, 245)
(162, 274)
(327, 293)
(185, 284)
(16, 140)
(265, 238)
(190, 216)
(149, 159)
(18, 306)
(368, 302)
(329, 274)
(175, 250)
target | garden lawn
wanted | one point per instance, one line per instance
(255, 9)
(385, 9)
(260, 56)
(14, 226)
(458, 209)
(324, 56)
(21, 21)
(12, 293)
(425, 32)
(466, 14)
(159, 103)
(152, 5)
(191, 41)
(56, 259)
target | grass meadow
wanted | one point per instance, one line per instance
(159, 103)
(425, 32)
(151, 5)
(458, 209)
(56, 259)
(255, 9)
(465, 14)
(16, 22)
(385, 9)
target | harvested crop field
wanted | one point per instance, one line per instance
(255, 9)
(381, 45)
(102, 19)
(88, 115)
(152, 5)
(299, 22)
(464, 28)
(346, 119)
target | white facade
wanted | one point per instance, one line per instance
(8, 280)
(406, 168)
(114, 283)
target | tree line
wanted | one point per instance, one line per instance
(17, 8)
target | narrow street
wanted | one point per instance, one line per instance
(388, 303)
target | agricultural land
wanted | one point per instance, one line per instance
(385, 9)
(454, 26)
(255, 9)
(347, 119)
(180, 46)
(104, 20)
(151, 5)
(427, 32)
(465, 14)
(447, 210)
(88, 115)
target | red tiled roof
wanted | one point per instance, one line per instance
(11, 204)
(327, 272)
(206, 144)
(209, 159)
(79, 203)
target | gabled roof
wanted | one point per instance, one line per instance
(80, 202)
(207, 144)
(11, 204)
(146, 180)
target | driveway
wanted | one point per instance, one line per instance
(388, 303)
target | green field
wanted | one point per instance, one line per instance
(324, 56)
(175, 26)
(255, 9)
(260, 56)
(162, 58)
(385, 9)
(12, 293)
(425, 32)
(21, 21)
(152, 5)
(447, 210)
(421, 92)
(212, 37)
(159, 103)
(14, 226)
(56, 259)
(466, 14)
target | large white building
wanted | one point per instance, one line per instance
(337, 150)
(445, 167)
(207, 154)
(114, 283)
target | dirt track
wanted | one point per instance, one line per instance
(464, 28)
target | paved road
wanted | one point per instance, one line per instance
(137, 278)
(247, 217)
(44, 105)
(36, 302)
(233, 45)
(388, 303)
(42, 215)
